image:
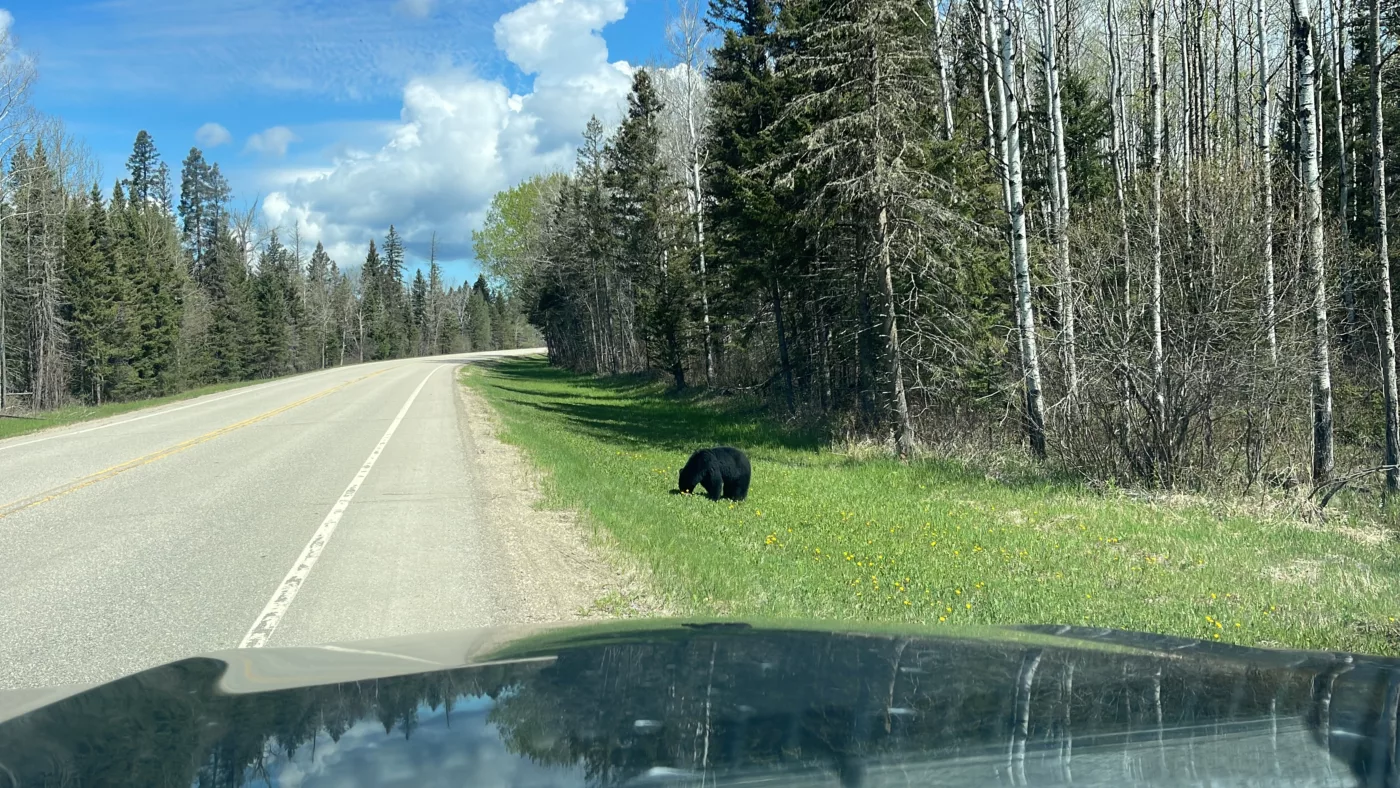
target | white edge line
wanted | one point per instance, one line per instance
(160, 412)
(281, 600)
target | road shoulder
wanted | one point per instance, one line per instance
(563, 570)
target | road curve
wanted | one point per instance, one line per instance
(331, 506)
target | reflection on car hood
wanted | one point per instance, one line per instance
(641, 703)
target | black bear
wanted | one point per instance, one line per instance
(723, 472)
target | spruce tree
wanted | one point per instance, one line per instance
(420, 311)
(320, 283)
(646, 211)
(194, 206)
(377, 328)
(231, 313)
(272, 338)
(92, 309)
(144, 170)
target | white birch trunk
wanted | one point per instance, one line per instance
(1378, 183)
(1010, 133)
(1309, 152)
(1060, 175)
(1266, 182)
(940, 54)
(1154, 76)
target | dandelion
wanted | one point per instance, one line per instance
(968, 606)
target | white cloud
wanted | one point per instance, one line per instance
(212, 135)
(460, 138)
(416, 8)
(273, 141)
(6, 21)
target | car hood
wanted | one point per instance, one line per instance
(702, 702)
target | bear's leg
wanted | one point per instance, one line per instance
(736, 489)
(713, 483)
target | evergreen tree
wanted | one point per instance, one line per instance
(162, 194)
(143, 182)
(478, 321)
(231, 313)
(154, 272)
(481, 288)
(420, 311)
(93, 301)
(378, 328)
(646, 209)
(321, 279)
(271, 354)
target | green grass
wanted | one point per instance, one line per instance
(936, 543)
(13, 426)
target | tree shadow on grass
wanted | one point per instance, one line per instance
(637, 410)
(634, 409)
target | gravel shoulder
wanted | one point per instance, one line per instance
(563, 569)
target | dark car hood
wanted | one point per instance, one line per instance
(723, 703)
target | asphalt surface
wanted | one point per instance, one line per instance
(165, 533)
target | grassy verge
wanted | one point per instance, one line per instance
(827, 536)
(11, 427)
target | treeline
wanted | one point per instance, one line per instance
(136, 292)
(1145, 238)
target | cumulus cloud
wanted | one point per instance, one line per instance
(212, 135)
(272, 142)
(461, 138)
(415, 8)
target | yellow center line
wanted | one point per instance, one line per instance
(116, 470)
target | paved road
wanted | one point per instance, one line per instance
(337, 505)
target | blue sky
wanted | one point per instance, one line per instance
(342, 116)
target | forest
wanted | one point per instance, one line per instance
(144, 289)
(1143, 240)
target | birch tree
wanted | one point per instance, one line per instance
(1154, 87)
(687, 39)
(1009, 133)
(1309, 153)
(1378, 187)
(1060, 193)
(1266, 180)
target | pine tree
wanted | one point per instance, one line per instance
(420, 310)
(231, 313)
(869, 147)
(320, 284)
(143, 182)
(377, 329)
(396, 319)
(756, 238)
(646, 212)
(272, 334)
(194, 206)
(478, 321)
(92, 307)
